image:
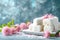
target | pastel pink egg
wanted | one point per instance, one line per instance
(13, 30)
(46, 34)
(17, 27)
(23, 26)
(6, 31)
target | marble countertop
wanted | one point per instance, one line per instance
(22, 36)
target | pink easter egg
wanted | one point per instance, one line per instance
(17, 27)
(6, 31)
(13, 30)
(23, 26)
(46, 34)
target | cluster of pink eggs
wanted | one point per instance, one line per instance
(13, 30)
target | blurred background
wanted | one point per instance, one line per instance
(22, 10)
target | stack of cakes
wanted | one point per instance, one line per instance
(45, 23)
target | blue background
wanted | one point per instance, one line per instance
(22, 10)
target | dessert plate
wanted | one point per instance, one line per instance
(27, 31)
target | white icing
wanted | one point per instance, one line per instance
(37, 21)
(36, 28)
(50, 24)
(49, 28)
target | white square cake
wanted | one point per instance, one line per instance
(51, 23)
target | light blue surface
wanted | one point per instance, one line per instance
(22, 36)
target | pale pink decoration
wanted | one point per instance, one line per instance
(13, 30)
(50, 16)
(6, 31)
(23, 26)
(45, 16)
(17, 27)
(46, 34)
